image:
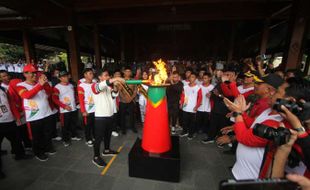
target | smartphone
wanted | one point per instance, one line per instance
(259, 184)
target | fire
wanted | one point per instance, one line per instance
(161, 76)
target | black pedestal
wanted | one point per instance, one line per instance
(164, 167)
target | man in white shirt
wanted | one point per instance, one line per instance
(203, 112)
(38, 112)
(64, 98)
(104, 110)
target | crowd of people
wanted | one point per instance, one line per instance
(261, 113)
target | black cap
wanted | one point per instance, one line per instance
(63, 73)
(230, 68)
(273, 80)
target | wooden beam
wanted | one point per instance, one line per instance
(232, 41)
(93, 5)
(97, 47)
(29, 49)
(296, 35)
(203, 12)
(74, 53)
(264, 38)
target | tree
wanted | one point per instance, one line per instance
(11, 52)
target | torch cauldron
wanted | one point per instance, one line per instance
(157, 155)
(156, 133)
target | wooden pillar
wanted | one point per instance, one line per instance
(136, 45)
(296, 34)
(232, 42)
(29, 49)
(75, 65)
(307, 66)
(97, 47)
(122, 45)
(264, 38)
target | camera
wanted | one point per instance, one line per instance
(278, 135)
(301, 110)
(290, 105)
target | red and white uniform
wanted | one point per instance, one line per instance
(86, 99)
(251, 149)
(243, 90)
(205, 102)
(35, 100)
(190, 98)
(231, 89)
(185, 82)
(16, 101)
(5, 86)
(64, 96)
(103, 98)
(6, 115)
(83, 80)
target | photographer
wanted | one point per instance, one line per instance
(251, 149)
(299, 158)
(283, 151)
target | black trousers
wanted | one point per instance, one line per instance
(54, 124)
(23, 133)
(69, 121)
(203, 121)
(89, 123)
(10, 131)
(103, 131)
(189, 122)
(127, 110)
(173, 110)
(116, 122)
(180, 117)
(41, 135)
(217, 122)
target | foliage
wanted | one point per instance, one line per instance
(11, 52)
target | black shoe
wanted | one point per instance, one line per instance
(2, 175)
(99, 162)
(134, 130)
(3, 152)
(42, 157)
(190, 137)
(183, 134)
(66, 144)
(109, 153)
(207, 141)
(76, 138)
(51, 152)
(23, 157)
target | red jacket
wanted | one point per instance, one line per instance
(231, 89)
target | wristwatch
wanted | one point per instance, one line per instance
(300, 129)
(235, 114)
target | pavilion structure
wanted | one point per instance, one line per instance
(130, 30)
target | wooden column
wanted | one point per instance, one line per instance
(122, 45)
(231, 42)
(75, 65)
(296, 32)
(29, 49)
(97, 47)
(307, 66)
(264, 38)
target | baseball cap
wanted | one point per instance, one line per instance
(255, 77)
(30, 68)
(273, 80)
(63, 73)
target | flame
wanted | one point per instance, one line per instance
(161, 76)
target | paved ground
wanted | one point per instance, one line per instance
(202, 167)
